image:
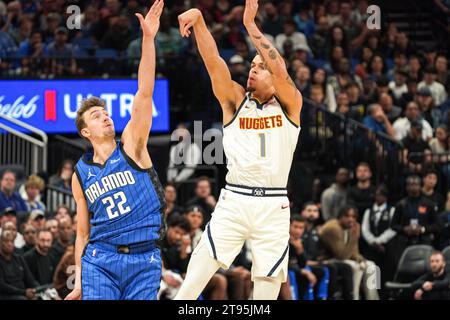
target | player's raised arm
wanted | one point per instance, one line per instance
(82, 238)
(137, 130)
(228, 92)
(285, 88)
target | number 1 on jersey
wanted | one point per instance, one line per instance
(262, 136)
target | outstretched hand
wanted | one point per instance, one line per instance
(251, 9)
(187, 20)
(150, 24)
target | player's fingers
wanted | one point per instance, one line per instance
(159, 8)
(140, 17)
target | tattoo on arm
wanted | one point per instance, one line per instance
(265, 45)
(292, 83)
(272, 54)
(257, 37)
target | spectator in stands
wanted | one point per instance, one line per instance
(362, 194)
(320, 78)
(439, 144)
(339, 240)
(377, 120)
(442, 72)
(343, 107)
(377, 66)
(62, 211)
(355, 99)
(377, 232)
(185, 156)
(414, 148)
(33, 46)
(409, 96)
(398, 86)
(168, 41)
(415, 219)
(402, 126)
(172, 209)
(414, 68)
(335, 196)
(204, 199)
(387, 104)
(37, 219)
(63, 179)
(8, 196)
(61, 51)
(16, 280)
(52, 225)
(64, 240)
(10, 215)
(303, 80)
(33, 187)
(118, 36)
(290, 33)
(29, 236)
(309, 277)
(194, 216)
(64, 271)
(239, 69)
(272, 24)
(430, 181)
(38, 259)
(10, 226)
(437, 89)
(427, 107)
(343, 76)
(318, 40)
(433, 285)
(7, 45)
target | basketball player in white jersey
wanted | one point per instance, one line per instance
(261, 128)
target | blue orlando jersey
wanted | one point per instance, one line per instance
(126, 203)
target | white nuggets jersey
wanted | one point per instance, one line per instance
(259, 143)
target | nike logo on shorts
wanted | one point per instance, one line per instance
(284, 206)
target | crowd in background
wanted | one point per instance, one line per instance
(378, 78)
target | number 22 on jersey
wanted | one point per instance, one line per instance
(111, 205)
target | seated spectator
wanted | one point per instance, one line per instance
(10, 215)
(16, 280)
(433, 285)
(318, 39)
(444, 225)
(37, 219)
(391, 111)
(430, 180)
(438, 144)
(52, 225)
(8, 196)
(62, 211)
(38, 259)
(309, 278)
(303, 80)
(442, 72)
(362, 194)
(398, 86)
(402, 126)
(415, 219)
(29, 235)
(377, 120)
(204, 199)
(409, 96)
(64, 240)
(172, 209)
(335, 196)
(414, 148)
(33, 187)
(63, 179)
(377, 232)
(64, 271)
(320, 79)
(437, 89)
(174, 252)
(427, 107)
(339, 240)
(290, 33)
(118, 35)
(194, 216)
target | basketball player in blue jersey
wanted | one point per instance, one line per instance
(119, 199)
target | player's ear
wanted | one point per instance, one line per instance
(86, 133)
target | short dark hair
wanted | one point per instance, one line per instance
(345, 209)
(39, 231)
(297, 218)
(200, 179)
(180, 222)
(307, 204)
(8, 171)
(363, 164)
(431, 171)
(87, 104)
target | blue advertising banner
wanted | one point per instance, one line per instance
(51, 105)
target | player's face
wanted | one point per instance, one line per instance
(297, 229)
(99, 124)
(259, 78)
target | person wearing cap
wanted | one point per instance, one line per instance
(33, 187)
(437, 89)
(16, 280)
(10, 215)
(8, 196)
(376, 228)
(414, 146)
(37, 219)
(194, 216)
(427, 107)
(239, 69)
(402, 125)
(290, 33)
